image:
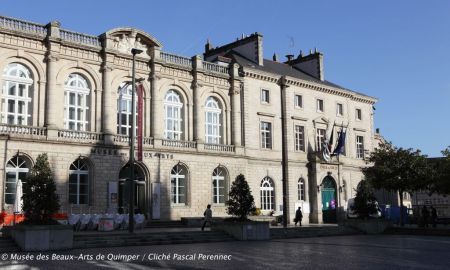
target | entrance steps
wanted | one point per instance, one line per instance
(148, 239)
(313, 231)
(164, 224)
(8, 245)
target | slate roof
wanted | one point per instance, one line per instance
(284, 69)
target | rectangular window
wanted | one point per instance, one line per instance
(266, 135)
(358, 114)
(298, 101)
(359, 147)
(320, 139)
(337, 141)
(265, 96)
(319, 105)
(340, 109)
(299, 138)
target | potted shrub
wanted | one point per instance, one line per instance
(241, 204)
(39, 231)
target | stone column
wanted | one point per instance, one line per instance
(109, 125)
(54, 114)
(157, 103)
(235, 90)
(198, 125)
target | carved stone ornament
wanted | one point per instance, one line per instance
(125, 42)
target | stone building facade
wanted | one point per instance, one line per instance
(206, 119)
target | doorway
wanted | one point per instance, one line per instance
(140, 187)
(329, 201)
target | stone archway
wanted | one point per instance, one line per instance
(329, 200)
(141, 197)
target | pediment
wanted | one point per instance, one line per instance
(124, 39)
(321, 120)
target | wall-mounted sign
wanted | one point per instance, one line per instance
(328, 167)
(158, 155)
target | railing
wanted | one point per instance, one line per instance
(125, 139)
(23, 130)
(80, 136)
(219, 147)
(179, 144)
(79, 38)
(22, 26)
(176, 59)
(215, 68)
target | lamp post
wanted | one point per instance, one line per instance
(133, 128)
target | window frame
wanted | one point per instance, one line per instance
(219, 182)
(78, 172)
(127, 98)
(358, 114)
(176, 108)
(339, 112)
(320, 138)
(267, 194)
(265, 96)
(301, 189)
(80, 123)
(298, 146)
(215, 111)
(320, 105)
(19, 83)
(298, 97)
(16, 169)
(266, 134)
(176, 177)
(359, 147)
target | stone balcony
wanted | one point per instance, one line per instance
(83, 138)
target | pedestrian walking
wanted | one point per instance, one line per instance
(433, 216)
(207, 216)
(298, 216)
(425, 215)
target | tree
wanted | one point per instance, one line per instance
(365, 201)
(241, 202)
(397, 169)
(441, 173)
(40, 201)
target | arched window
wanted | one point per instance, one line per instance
(16, 169)
(76, 100)
(178, 180)
(212, 121)
(79, 182)
(17, 91)
(124, 114)
(173, 116)
(301, 189)
(219, 178)
(267, 194)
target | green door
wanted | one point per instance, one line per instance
(329, 206)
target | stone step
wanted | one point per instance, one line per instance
(161, 238)
(164, 224)
(8, 245)
(300, 232)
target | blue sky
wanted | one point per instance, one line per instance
(397, 51)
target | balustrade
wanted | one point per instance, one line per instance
(22, 26)
(176, 59)
(79, 38)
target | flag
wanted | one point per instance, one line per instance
(341, 142)
(326, 148)
(140, 117)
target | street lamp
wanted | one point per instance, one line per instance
(133, 127)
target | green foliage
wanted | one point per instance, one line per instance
(441, 173)
(398, 169)
(365, 202)
(241, 202)
(39, 197)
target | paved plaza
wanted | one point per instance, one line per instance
(340, 252)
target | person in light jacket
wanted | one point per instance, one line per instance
(207, 216)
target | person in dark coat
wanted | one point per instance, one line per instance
(298, 216)
(433, 216)
(425, 215)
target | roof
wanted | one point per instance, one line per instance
(284, 69)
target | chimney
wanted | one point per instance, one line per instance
(311, 64)
(289, 57)
(208, 46)
(275, 57)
